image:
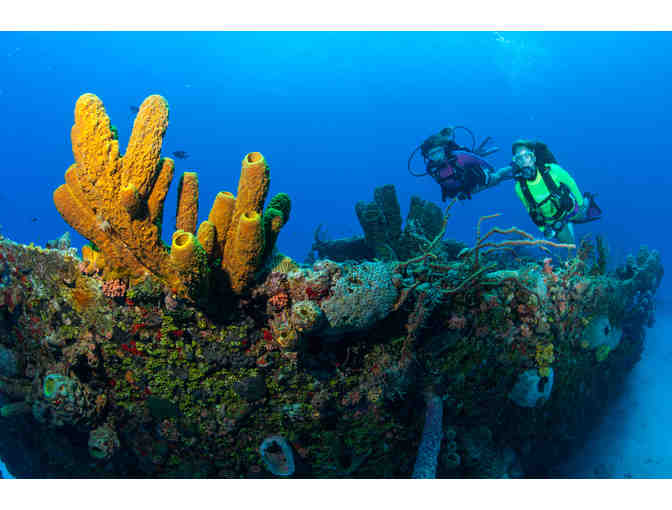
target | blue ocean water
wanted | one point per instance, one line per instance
(338, 113)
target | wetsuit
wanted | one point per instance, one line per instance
(544, 211)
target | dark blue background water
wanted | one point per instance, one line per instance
(337, 114)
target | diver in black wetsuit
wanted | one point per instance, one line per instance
(459, 170)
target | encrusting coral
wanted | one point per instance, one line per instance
(117, 201)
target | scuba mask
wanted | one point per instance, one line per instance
(524, 164)
(437, 155)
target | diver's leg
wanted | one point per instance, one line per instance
(566, 235)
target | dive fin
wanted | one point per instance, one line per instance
(593, 212)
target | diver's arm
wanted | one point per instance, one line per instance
(564, 177)
(494, 178)
(500, 175)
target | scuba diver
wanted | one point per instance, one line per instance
(548, 192)
(459, 170)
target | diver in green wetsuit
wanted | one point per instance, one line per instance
(550, 195)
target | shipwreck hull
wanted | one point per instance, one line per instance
(317, 372)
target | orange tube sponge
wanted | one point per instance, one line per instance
(187, 203)
(247, 247)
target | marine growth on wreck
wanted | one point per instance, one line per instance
(401, 353)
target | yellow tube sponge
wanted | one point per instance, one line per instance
(207, 236)
(189, 262)
(220, 216)
(182, 250)
(247, 247)
(94, 259)
(187, 203)
(252, 190)
(117, 201)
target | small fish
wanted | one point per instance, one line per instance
(180, 154)
(606, 330)
(34, 220)
(134, 109)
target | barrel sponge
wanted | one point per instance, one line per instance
(386, 198)
(187, 203)
(247, 247)
(361, 296)
(277, 456)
